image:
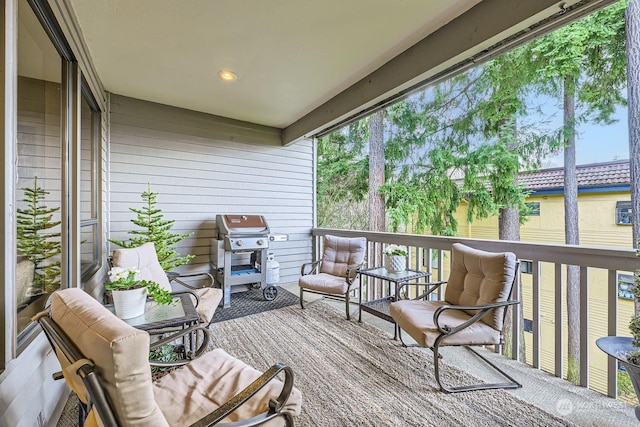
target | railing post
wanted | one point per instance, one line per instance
(559, 301)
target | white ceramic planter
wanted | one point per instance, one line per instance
(129, 303)
(395, 263)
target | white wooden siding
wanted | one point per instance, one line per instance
(202, 165)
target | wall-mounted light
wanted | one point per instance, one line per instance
(227, 75)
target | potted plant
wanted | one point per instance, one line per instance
(627, 349)
(130, 293)
(155, 228)
(395, 259)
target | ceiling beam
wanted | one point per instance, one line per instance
(462, 41)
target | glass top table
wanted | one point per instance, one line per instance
(157, 316)
(381, 307)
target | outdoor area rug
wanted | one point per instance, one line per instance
(252, 302)
(353, 374)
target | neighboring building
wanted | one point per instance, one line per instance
(604, 210)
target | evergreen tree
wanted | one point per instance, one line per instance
(35, 242)
(154, 228)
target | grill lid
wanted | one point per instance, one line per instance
(241, 224)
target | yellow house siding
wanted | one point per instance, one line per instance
(598, 227)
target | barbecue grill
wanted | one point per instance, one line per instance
(239, 255)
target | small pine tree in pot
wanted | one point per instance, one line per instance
(154, 228)
(36, 241)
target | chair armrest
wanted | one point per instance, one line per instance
(355, 270)
(169, 339)
(275, 406)
(313, 267)
(178, 278)
(483, 309)
(193, 294)
(432, 287)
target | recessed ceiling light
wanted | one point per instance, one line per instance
(227, 75)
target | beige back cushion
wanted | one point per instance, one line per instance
(342, 252)
(145, 259)
(119, 351)
(479, 277)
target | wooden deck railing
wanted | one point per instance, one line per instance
(430, 253)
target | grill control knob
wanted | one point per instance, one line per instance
(239, 242)
(260, 242)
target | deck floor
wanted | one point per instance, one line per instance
(579, 405)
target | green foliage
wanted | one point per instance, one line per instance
(573, 370)
(634, 324)
(592, 52)
(625, 388)
(469, 138)
(164, 353)
(126, 279)
(154, 228)
(35, 242)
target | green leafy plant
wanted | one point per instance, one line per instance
(127, 278)
(154, 228)
(36, 241)
(395, 250)
(634, 324)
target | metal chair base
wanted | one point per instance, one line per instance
(512, 384)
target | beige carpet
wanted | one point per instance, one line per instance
(353, 374)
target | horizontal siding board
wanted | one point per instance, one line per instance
(191, 123)
(198, 175)
(158, 134)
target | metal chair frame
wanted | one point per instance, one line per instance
(98, 399)
(446, 331)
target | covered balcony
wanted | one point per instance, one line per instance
(103, 102)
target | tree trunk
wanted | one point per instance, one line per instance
(571, 231)
(632, 24)
(509, 229)
(376, 172)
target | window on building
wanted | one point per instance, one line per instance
(526, 266)
(528, 325)
(623, 213)
(45, 173)
(534, 208)
(89, 189)
(625, 281)
(39, 185)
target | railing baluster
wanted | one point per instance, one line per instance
(536, 314)
(556, 256)
(584, 327)
(559, 301)
(612, 329)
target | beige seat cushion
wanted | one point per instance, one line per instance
(479, 277)
(219, 377)
(324, 282)
(341, 253)
(416, 318)
(120, 353)
(145, 259)
(209, 300)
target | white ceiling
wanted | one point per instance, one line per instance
(302, 65)
(290, 56)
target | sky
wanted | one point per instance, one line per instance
(595, 143)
